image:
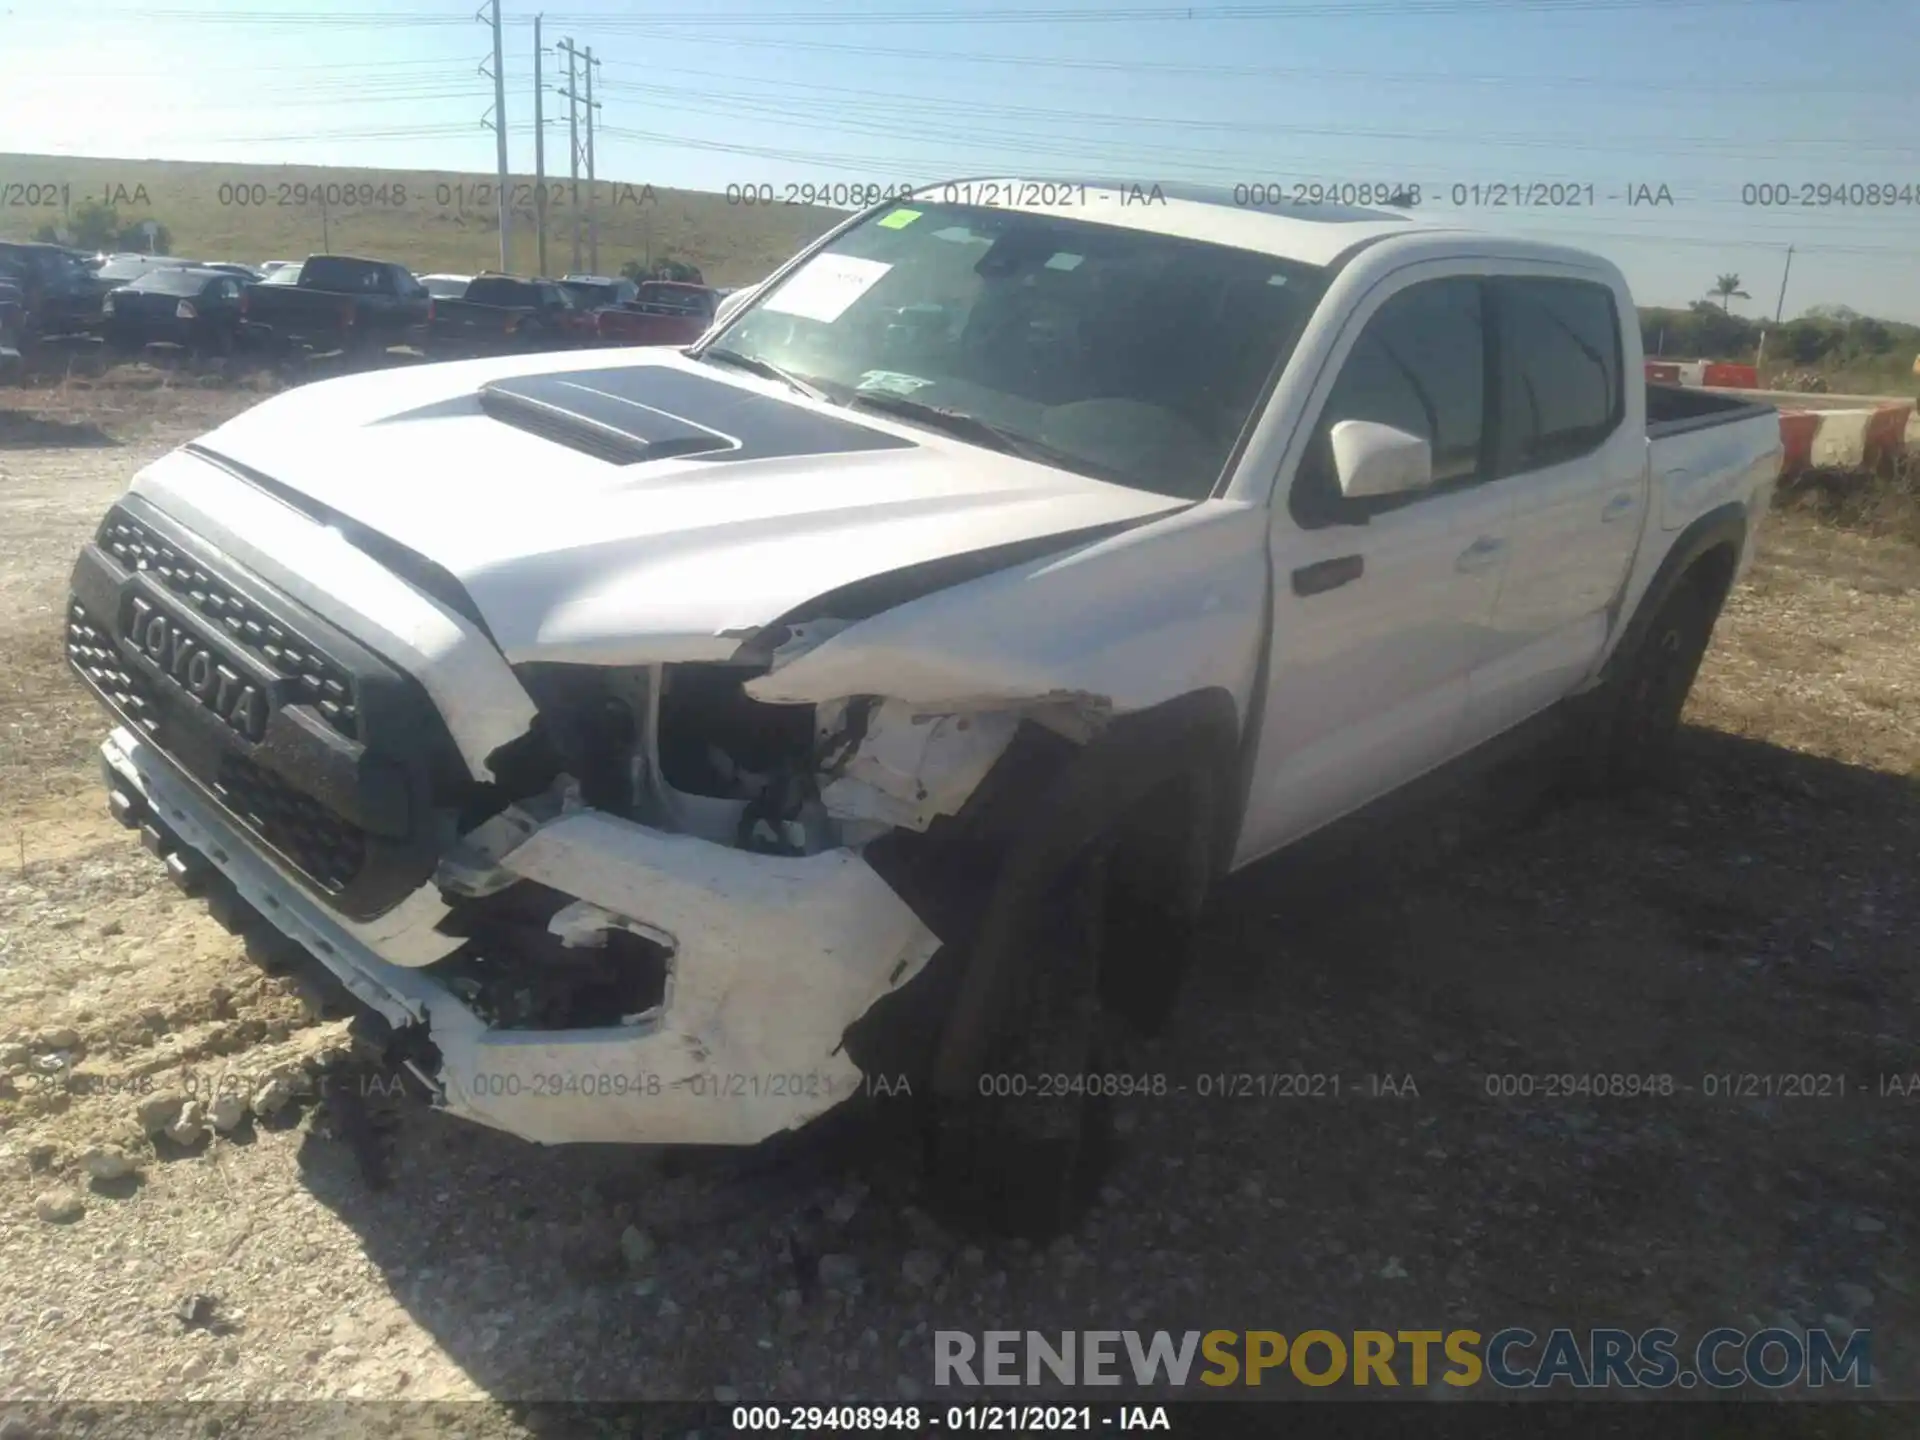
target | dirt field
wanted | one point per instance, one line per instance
(1759, 921)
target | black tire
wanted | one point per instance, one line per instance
(1027, 1163)
(1157, 874)
(1638, 715)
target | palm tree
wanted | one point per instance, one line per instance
(1727, 287)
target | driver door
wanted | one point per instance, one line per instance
(1381, 607)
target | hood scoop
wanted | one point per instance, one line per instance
(596, 423)
(636, 413)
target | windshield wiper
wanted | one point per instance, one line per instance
(960, 425)
(765, 369)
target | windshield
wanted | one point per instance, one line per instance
(1131, 355)
(128, 268)
(446, 287)
(173, 280)
(588, 293)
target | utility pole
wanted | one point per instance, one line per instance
(593, 216)
(1780, 308)
(539, 151)
(505, 186)
(573, 141)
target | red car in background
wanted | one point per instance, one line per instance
(662, 312)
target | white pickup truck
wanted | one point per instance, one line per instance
(668, 745)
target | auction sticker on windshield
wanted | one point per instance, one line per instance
(825, 286)
(891, 382)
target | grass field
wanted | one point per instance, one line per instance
(430, 220)
(1893, 375)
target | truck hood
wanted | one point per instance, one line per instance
(645, 508)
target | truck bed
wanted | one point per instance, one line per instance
(1675, 409)
(1707, 450)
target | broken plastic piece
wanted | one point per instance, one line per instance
(911, 768)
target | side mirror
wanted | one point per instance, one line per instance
(1371, 459)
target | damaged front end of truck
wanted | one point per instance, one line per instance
(665, 929)
(605, 879)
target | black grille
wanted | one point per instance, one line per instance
(320, 843)
(91, 651)
(324, 685)
(342, 792)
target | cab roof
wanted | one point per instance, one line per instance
(1313, 234)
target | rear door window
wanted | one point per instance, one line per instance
(1557, 356)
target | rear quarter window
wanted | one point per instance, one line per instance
(351, 276)
(501, 292)
(1558, 361)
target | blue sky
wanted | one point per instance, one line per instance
(1705, 97)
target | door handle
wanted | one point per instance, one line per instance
(1328, 574)
(1480, 555)
(1618, 508)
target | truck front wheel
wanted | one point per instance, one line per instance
(1022, 1154)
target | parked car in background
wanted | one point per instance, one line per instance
(503, 314)
(194, 307)
(117, 270)
(13, 315)
(447, 287)
(227, 267)
(590, 292)
(663, 312)
(284, 275)
(267, 267)
(732, 302)
(59, 289)
(337, 302)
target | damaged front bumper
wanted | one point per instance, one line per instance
(768, 960)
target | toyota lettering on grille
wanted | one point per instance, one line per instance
(202, 673)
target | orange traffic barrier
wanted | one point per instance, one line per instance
(1731, 377)
(1886, 433)
(1797, 429)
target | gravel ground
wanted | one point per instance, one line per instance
(1758, 920)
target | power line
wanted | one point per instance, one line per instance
(390, 132)
(1134, 157)
(504, 185)
(1772, 86)
(593, 213)
(572, 92)
(1300, 9)
(867, 99)
(539, 151)
(1185, 14)
(1277, 72)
